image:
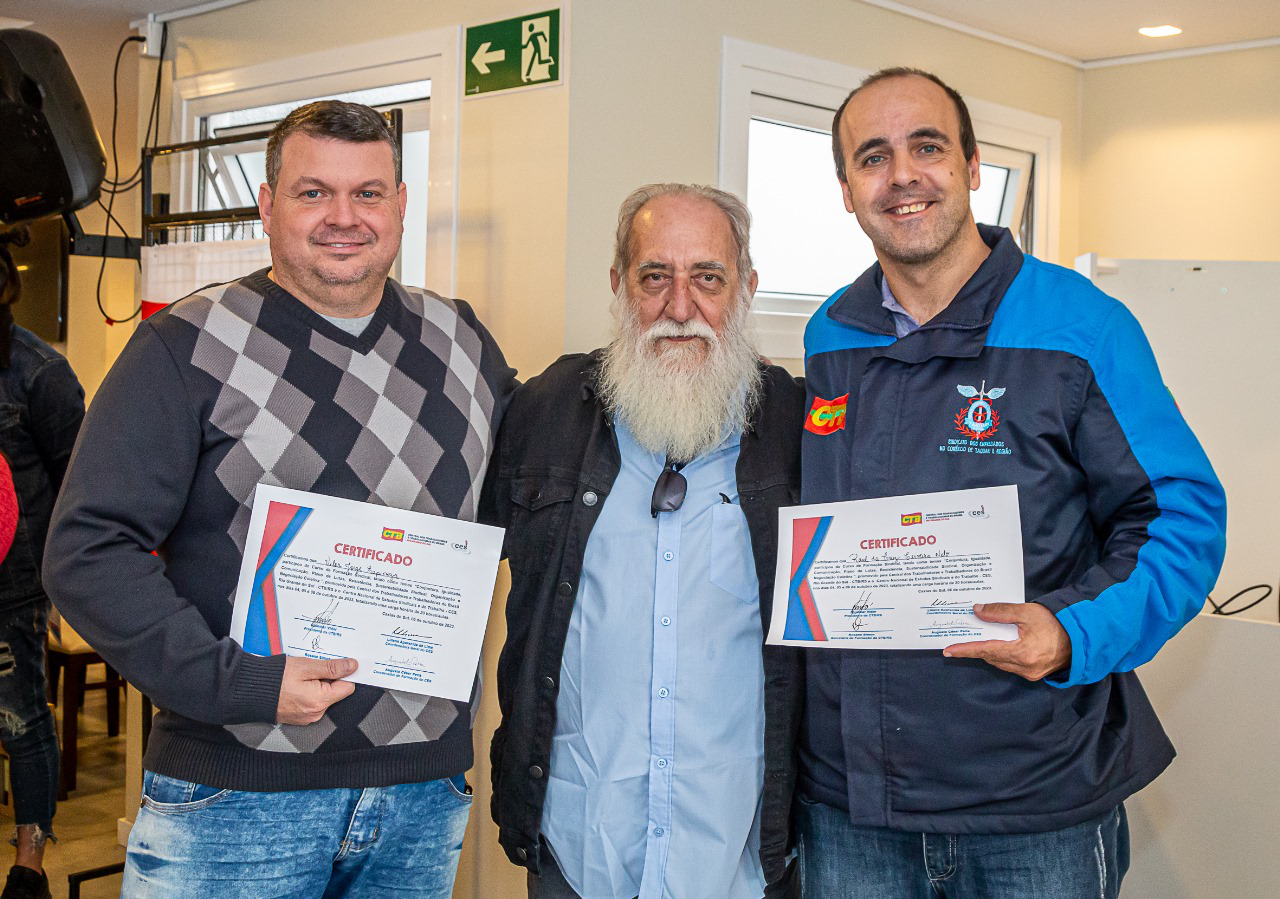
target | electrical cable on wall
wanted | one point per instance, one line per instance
(116, 186)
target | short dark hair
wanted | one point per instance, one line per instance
(335, 119)
(968, 142)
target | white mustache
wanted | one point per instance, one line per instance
(665, 327)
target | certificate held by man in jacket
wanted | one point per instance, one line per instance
(899, 572)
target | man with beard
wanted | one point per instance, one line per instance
(646, 747)
(993, 769)
(272, 775)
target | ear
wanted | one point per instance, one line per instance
(975, 170)
(265, 200)
(844, 191)
(404, 199)
(614, 279)
(752, 283)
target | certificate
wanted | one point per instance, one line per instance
(902, 572)
(405, 594)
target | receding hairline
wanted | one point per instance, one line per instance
(725, 217)
(966, 139)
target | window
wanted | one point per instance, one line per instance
(416, 73)
(775, 152)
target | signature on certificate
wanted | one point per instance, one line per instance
(950, 623)
(405, 662)
(323, 619)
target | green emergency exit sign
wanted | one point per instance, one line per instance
(520, 52)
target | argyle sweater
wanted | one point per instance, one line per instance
(237, 385)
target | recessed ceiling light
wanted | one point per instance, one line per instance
(1160, 31)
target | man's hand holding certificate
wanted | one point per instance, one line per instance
(900, 572)
(407, 595)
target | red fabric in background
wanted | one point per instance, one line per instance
(8, 508)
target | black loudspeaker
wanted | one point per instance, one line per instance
(51, 159)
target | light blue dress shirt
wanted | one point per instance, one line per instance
(903, 323)
(657, 765)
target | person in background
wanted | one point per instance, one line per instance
(273, 775)
(993, 769)
(647, 744)
(41, 408)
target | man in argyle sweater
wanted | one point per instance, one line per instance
(267, 775)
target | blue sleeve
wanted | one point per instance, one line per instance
(1157, 506)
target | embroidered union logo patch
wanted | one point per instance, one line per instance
(826, 416)
(979, 420)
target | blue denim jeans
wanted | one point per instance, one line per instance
(26, 725)
(844, 861)
(196, 841)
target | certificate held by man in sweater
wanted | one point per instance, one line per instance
(900, 572)
(405, 594)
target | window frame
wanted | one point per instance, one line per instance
(755, 76)
(426, 55)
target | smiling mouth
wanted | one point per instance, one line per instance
(909, 208)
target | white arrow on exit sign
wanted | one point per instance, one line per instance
(484, 56)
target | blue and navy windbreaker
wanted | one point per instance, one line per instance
(1123, 528)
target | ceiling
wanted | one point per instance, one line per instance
(96, 9)
(1082, 30)
(1088, 30)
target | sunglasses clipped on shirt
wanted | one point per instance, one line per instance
(669, 491)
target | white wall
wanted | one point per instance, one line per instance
(1179, 158)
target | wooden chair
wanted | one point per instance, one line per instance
(68, 660)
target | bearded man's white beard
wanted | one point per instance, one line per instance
(680, 399)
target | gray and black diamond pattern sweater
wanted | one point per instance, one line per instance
(237, 385)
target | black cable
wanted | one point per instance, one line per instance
(112, 217)
(134, 179)
(1224, 608)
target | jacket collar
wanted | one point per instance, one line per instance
(960, 329)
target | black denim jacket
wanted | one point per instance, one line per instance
(41, 407)
(556, 446)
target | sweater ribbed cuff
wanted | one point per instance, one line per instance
(255, 689)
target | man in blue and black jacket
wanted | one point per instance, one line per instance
(992, 769)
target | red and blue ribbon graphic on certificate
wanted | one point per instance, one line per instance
(262, 628)
(803, 620)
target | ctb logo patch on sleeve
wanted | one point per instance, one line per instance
(826, 416)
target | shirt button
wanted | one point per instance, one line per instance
(589, 498)
(668, 556)
(666, 621)
(565, 588)
(664, 692)
(662, 763)
(535, 772)
(657, 831)
(548, 682)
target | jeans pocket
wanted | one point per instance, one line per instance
(459, 787)
(172, 795)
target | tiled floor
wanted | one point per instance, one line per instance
(86, 822)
